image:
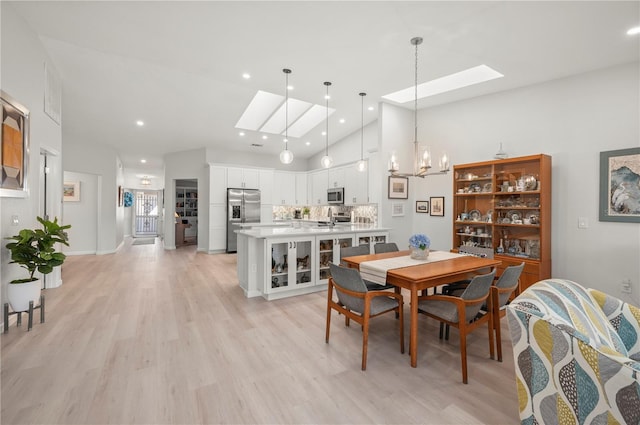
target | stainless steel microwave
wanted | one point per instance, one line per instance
(335, 195)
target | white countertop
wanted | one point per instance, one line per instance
(274, 232)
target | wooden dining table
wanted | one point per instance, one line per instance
(423, 276)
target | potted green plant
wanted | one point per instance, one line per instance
(305, 213)
(34, 250)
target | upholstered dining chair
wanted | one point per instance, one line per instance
(385, 247)
(462, 312)
(501, 291)
(352, 251)
(360, 304)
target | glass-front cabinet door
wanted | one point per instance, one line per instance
(328, 248)
(373, 238)
(291, 264)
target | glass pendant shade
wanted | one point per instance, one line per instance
(326, 161)
(286, 156)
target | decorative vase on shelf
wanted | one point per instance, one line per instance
(419, 254)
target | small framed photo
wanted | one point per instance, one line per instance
(71, 191)
(437, 206)
(120, 196)
(398, 187)
(422, 207)
(619, 183)
(397, 209)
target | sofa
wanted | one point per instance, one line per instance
(577, 355)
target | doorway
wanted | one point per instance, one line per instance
(146, 213)
(186, 212)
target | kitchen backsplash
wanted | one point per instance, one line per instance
(361, 213)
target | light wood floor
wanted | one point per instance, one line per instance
(148, 336)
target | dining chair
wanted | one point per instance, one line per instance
(385, 247)
(462, 312)
(356, 302)
(501, 290)
(505, 285)
(351, 251)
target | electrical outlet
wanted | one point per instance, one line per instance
(583, 222)
(626, 286)
(15, 220)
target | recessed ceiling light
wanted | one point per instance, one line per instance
(144, 161)
(139, 123)
(371, 108)
(246, 75)
(326, 96)
(342, 120)
(468, 77)
(289, 87)
(324, 133)
(634, 31)
(308, 143)
(265, 137)
(241, 133)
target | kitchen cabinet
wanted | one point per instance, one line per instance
(372, 238)
(319, 186)
(290, 264)
(336, 177)
(301, 189)
(356, 186)
(328, 249)
(503, 208)
(266, 186)
(284, 188)
(244, 178)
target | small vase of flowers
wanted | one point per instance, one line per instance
(419, 245)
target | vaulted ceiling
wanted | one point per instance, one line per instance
(178, 65)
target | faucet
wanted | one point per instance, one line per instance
(331, 218)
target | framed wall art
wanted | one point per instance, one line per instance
(620, 185)
(71, 191)
(120, 196)
(437, 206)
(422, 206)
(398, 187)
(397, 209)
(14, 152)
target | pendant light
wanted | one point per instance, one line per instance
(362, 164)
(326, 160)
(421, 159)
(286, 156)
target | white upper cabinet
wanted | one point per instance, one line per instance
(301, 189)
(284, 188)
(319, 185)
(266, 187)
(356, 189)
(245, 178)
(337, 177)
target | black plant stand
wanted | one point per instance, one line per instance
(19, 313)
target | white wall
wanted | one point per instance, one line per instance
(81, 157)
(348, 149)
(83, 214)
(571, 119)
(22, 77)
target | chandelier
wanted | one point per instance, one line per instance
(421, 156)
(145, 181)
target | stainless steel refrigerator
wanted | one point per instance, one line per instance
(243, 206)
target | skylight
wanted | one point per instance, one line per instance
(468, 77)
(266, 113)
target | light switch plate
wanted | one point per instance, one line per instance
(583, 222)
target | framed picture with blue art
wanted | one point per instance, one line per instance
(128, 199)
(620, 185)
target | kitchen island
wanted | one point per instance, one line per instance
(278, 262)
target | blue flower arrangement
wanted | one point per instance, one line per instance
(419, 241)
